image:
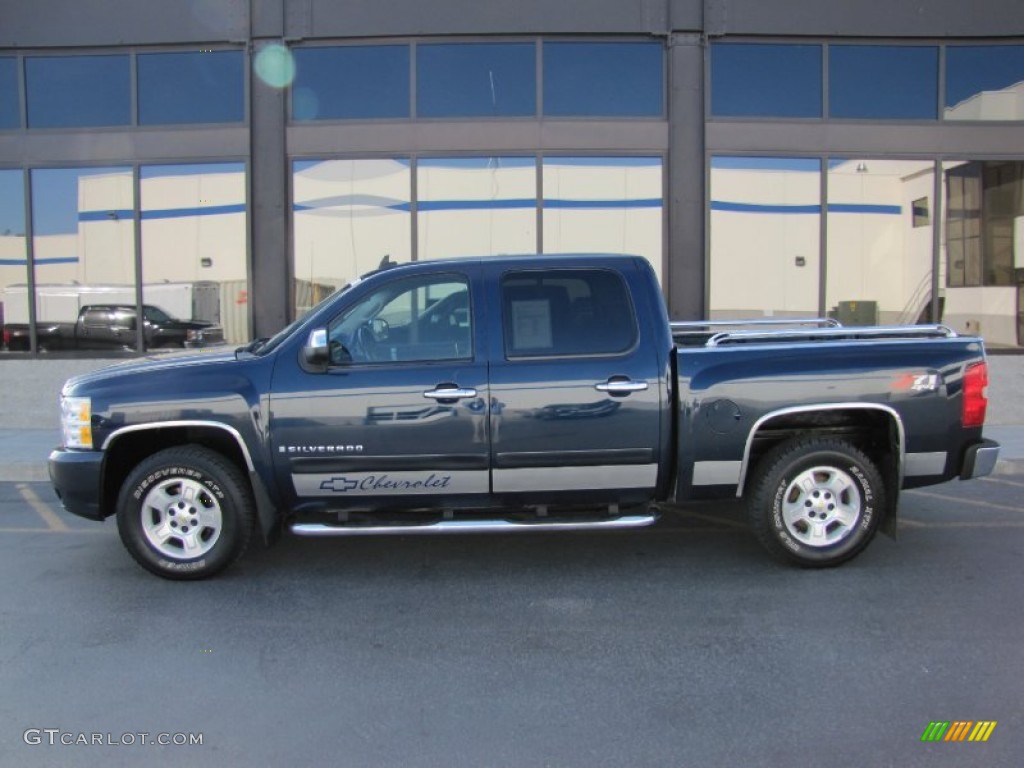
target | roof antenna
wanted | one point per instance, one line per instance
(386, 262)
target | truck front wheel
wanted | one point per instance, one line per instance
(185, 513)
(816, 502)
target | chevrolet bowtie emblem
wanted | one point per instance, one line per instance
(339, 485)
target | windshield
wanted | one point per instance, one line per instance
(265, 346)
(156, 315)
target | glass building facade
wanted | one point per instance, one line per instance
(764, 170)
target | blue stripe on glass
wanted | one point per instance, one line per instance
(653, 202)
(885, 210)
(209, 210)
(124, 213)
(717, 205)
(477, 205)
(53, 260)
(165, 213)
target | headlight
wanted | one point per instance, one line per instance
(76, 421)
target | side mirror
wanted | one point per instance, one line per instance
(316, 352)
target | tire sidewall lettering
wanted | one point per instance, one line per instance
(182, 566)
(862, 526)
(777, 522)
(185, 473)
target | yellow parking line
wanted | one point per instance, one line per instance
(42, 509)
(970, 502)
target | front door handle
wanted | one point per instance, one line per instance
(450, 393)
(616, 386)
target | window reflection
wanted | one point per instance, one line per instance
(476, 206)
(883, 81)
(78, 91)
(603, 79)
(765, 235)
(351, 82)
(879, 247)
(13, 252)
(603, 204)
(84, 252)
(984, 82)
(476, 80)
(348, 216)
(194, 251)
(190, 87)
(765, 80)
(10, 111)
(984, 249)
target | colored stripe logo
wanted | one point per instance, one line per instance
(958, 730)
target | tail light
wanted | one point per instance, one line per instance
(975, 397)
(7, 337)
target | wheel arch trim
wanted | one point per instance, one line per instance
(889, 411)
(184, 423)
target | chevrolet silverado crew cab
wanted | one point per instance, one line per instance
(519, 393)
(113, 327)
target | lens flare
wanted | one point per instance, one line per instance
(275, 66)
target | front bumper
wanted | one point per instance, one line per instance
(980, 459)
(76, 479)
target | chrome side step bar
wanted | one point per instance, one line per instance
(469, 526)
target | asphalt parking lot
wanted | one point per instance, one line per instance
(677, 645)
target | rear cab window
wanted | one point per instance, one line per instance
(566, 313)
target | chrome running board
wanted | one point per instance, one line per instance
(469, 526)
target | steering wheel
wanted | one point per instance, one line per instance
(364, 343)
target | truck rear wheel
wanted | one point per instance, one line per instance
(185, 513)
(816, 502)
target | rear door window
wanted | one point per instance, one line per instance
(565, 313)
(96, 318)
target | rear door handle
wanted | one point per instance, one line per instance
(450, 393)
(621, 386)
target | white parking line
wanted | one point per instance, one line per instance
(970, 502)
(51, 530)
(1001, 481)
(961, 524)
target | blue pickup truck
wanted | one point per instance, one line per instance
(526, 394)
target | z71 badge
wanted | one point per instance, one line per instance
(917, 382)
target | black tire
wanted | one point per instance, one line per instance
(816, 502)
(185, 513)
